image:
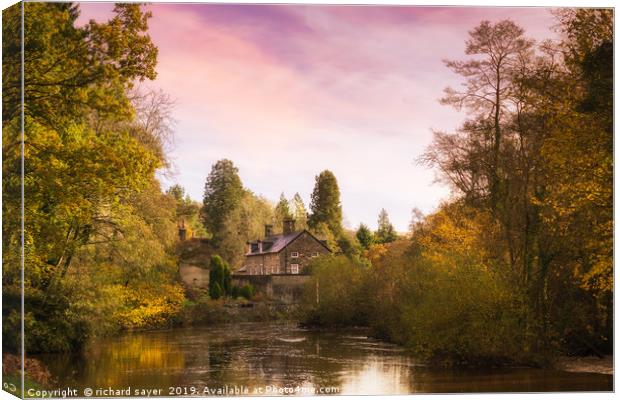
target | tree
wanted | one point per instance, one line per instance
(220, 281)
(335, 294)
(223, 193)
(349, 246)
(177, 191)
(385, 231)
(215, 291)
(71, 74)
(364, 236)
(78, 180)
(299, 212)
(488, 88)
(187, 211)
(536, 163)
(98, 230)
(244, 223)
(154, 115)
(282, 211)
(323, 232)
(72, 70)
(491, 159)
(325, 203)
(185, 207)
(417, 217)
(577, 155)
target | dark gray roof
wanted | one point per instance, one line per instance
(275, 243)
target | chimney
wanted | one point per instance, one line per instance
(182, 230)
(260, 246)
(249, 244)
(268, 230)
(288, 226)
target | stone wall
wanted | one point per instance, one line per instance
(193, 276)
(261, 264)
(286, 289)
(306, 247)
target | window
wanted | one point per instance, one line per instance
(294, 254)
(294, 268)
(315, 254)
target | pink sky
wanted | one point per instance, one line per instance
(286, 91)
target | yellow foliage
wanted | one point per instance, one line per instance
(150, 306)
(375, 252)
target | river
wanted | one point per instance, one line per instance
(281, 358)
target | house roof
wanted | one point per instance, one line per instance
(275, 243)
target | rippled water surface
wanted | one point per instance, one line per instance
(260, 358)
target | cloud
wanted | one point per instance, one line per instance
(286, 91)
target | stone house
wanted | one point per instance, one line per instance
(286, 253)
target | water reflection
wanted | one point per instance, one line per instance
(285, 356)
(378, 376)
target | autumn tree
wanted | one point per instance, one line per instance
(518, 264)
(491, 159)
(323, 232)
(71, 70)
(63, 92)
(92, 199)
(69, 78)
(577, 154)
(538, 160)
(245, 222)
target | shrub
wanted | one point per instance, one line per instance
(441, 296)
(220, 280)
(215, 291)
(437, 293)
(246, 291)
(35, 369)
(335, 294)
(150, 307)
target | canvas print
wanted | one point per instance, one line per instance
(204, 200)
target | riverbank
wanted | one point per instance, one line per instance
(205, 311)
(591, 364)
(37, 374)
(576, 364)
